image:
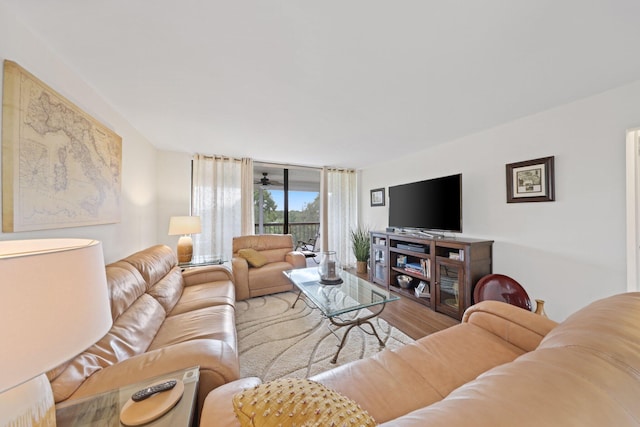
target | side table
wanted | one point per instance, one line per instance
(103, 410)
(185, 265)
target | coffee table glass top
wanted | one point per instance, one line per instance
(352, 294)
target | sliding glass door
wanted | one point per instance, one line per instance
(287, 200)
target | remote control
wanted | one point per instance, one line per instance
(150, 391)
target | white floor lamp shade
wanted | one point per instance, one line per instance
(54, 304)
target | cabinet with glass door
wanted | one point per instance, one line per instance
(379, 272)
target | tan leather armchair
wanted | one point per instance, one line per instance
(267, 279)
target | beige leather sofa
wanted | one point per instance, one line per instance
(268, 279)
(164, 319)
(502, 366)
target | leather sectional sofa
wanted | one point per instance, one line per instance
(164, 319)
(502, 366)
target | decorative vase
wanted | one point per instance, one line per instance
(328, 267)
(361, 267)
(540, 308)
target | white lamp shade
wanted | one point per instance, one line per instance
(184, 225)
(54, 304)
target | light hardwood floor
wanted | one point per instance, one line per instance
(413, 318)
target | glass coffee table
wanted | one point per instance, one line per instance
(351, 295)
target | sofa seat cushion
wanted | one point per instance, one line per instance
(216, 323)
(269, 275)
(205, 295)
(395, 382)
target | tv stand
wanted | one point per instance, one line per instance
(443, 270)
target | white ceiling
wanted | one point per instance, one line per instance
(339, 83)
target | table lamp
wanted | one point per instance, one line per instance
(184, 226)
(54, 304)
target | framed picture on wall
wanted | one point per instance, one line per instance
(531, 181)
(377, 197)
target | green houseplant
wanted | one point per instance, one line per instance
(361, 247)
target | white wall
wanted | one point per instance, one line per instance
(568, 252)
(137, 229)
(174, 197)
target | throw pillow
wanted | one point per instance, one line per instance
(297, 402)
(253, 257)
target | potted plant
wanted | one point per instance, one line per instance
(361, 247)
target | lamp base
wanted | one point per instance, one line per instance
(29, 404)
(185, 249)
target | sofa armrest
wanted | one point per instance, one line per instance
(207, 274)
(515, 325)
(218, 409)
(240, 268)
(217, 360)
(297, 259)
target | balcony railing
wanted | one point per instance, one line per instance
(301, 231)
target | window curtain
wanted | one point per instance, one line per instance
(338, 212)
(219, 197)
(248, 221)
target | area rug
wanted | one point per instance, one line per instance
(276, 340)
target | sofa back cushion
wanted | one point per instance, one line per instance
(143, 288)
(125, 286)
(130, 335)
(158, 267)
(274, 247)
(167, 291)
(609, 328)
(153, 263)
(137, 317)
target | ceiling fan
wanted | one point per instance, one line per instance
(265, 181)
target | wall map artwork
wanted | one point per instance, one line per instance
(60, 166)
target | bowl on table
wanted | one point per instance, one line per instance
(404, 281)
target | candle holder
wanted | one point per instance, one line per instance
(328, 269)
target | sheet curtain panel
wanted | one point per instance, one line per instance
(223, 202)
(338, 188)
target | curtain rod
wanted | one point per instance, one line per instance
(341, 170)
(287, 166)
(217, 157)
(279, 165)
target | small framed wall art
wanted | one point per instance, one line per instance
(377, 197)
(531, 181)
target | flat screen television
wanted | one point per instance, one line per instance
(433, 204)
